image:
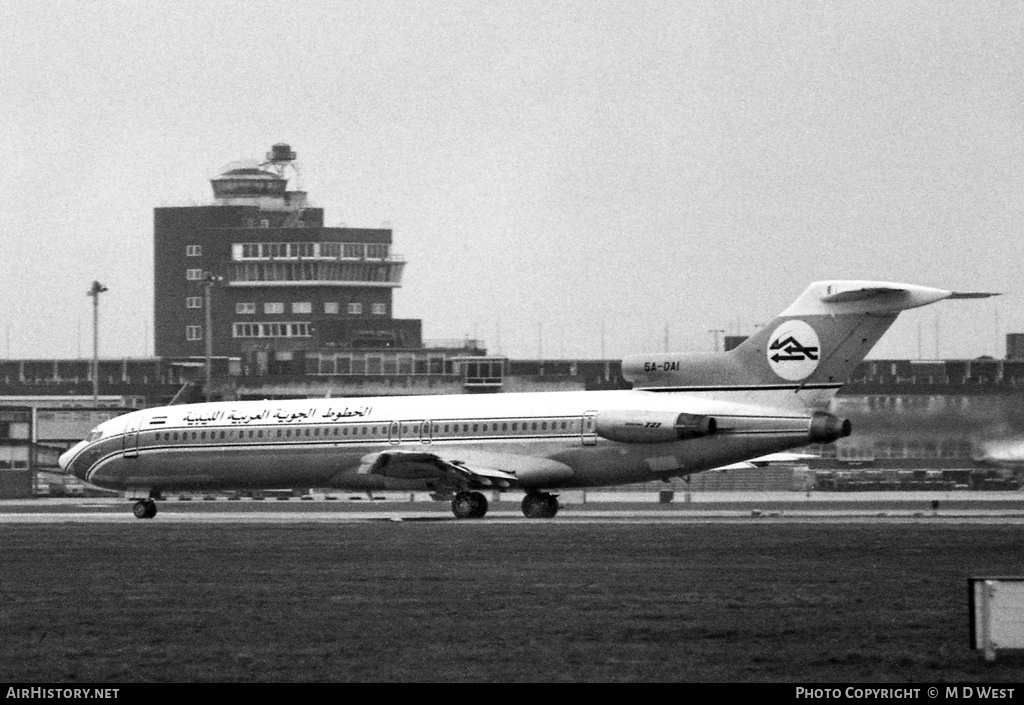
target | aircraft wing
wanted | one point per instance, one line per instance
(408, 465)
(465, 469)
(766, 460)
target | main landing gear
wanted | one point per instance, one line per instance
(144, 509)
(469, 505)
(540, 505)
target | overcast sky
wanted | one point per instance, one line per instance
(551, 169)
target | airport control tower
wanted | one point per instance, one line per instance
(279, 283)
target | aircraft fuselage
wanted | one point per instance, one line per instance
(547, 440)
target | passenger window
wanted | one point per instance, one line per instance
(544, 426)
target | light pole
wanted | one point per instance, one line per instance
(95, 292)
(209, 279)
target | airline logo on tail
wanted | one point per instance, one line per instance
(793, 352)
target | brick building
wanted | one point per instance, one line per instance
(279, 284)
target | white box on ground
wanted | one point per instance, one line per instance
(997, 614)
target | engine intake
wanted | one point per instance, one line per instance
(653, 426)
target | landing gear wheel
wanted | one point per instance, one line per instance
(469, 505)
(540, 505)
(144, 509)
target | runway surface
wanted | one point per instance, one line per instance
(1006, 508)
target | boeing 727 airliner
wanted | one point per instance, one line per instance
(686, 413)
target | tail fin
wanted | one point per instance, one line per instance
(804, 355)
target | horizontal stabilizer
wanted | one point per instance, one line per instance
(862, 297)
(972, 295)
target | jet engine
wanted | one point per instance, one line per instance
(826, 428)
(652, 426)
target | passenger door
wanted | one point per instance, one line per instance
(589, 428)
(131, 437)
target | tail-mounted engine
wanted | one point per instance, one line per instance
(826, 428)
(653, 426)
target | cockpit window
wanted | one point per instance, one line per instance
(94, 435)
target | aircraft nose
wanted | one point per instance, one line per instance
(65, 458)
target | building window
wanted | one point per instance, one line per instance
(376, 251)
(355, 309)
(193, 332)
(194, 302)
(264, 223)
(194, 275)
(193, 250)
(273, 307)
(331, 307)
(270, 330)
(245, 308)
(380, 309)
(302, 307)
